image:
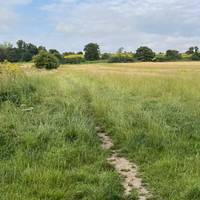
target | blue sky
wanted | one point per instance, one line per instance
(70, 24)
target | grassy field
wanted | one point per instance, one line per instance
(49, 148)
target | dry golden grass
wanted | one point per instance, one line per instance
(138, 69)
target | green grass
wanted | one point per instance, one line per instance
(155, 121)
(52, 152)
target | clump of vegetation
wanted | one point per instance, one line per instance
(173, 55)
(161, 57)
(74, 59)
(46, 60)
(57, 54)
(144, 54)
(92, 52)
(121, 58)
(106, 56)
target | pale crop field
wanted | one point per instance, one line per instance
(51, 151)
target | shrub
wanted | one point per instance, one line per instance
(195, 56)
(74, 59)
(173, 55)
(121, 58)
(106, 56)
(145, 54)
(46, 60)
(185, 56)
(160, 58)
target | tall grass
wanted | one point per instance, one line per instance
(48, 146)
(155, 121)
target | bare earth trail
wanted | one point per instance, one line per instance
(127, 170)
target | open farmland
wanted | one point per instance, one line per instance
(49, 148)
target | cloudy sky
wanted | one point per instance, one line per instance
(70, 24)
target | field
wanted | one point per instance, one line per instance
(49, 148)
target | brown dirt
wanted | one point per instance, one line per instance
(128, 170)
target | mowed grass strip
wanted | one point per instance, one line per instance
(48, 146)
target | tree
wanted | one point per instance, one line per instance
(4, 49)
(26, 56)
(196, 49)
(32, 49)
(6, 45)
(21, 44)
(41, 48)
(2, 54)
(53, 51)
(46, 60)
(120, 50)
(144, 54)
(190, 50)
(173, 55)
(92, 52)
(80, 53)
(57, 54)
(13, 55)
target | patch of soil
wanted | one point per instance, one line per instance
(128, 170)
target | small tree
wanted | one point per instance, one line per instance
(46, 60)
(144, 54)
(92, 52)
(190, 50)
(173, 55)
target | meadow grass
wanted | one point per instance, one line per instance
(151, 110)
(152, 113)
(48, 145)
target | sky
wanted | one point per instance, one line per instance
(67, 25)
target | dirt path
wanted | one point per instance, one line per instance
(128, 170)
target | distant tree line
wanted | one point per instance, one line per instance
(25, 52)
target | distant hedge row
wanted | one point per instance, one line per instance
(52, 58)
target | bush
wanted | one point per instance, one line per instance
(145, 54)
(160, 58)
(74, 59)
(185, 56)
(106, 56)
(195, 57)
(121, 58)
(173, 55)
(46, 60)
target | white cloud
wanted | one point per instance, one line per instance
(159, 23)
(8, 15)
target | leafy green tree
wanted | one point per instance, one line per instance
(26, 56)
(13, 55)
(41, 48)
(80, 53)
(57, 54)
(173, 55)
(46, 60)
(190, 50)
(144, 54)
(32, 49)
(120, 50)
(92, 52)
(21, 44)
(196, 49)
(2, 55)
